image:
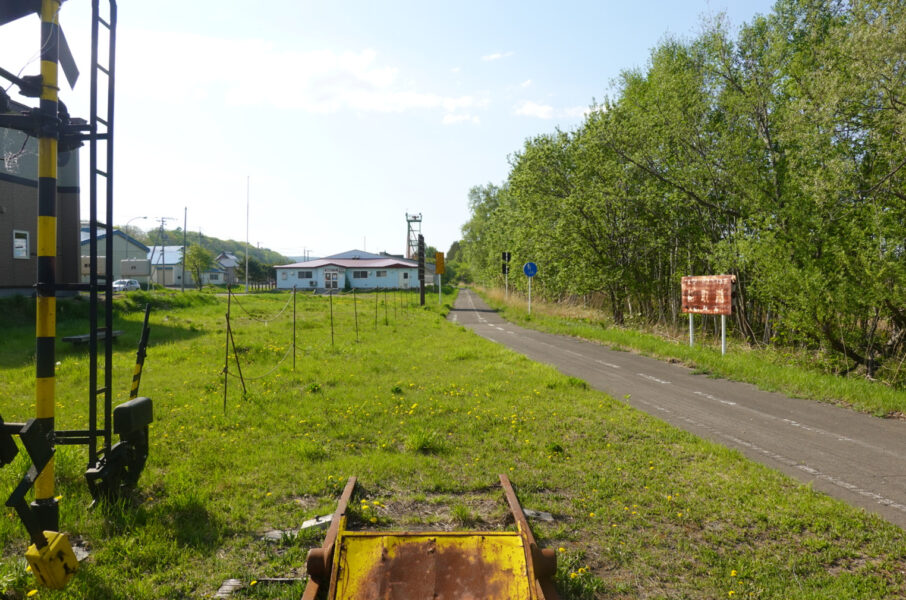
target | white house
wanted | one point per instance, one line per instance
(358, 269)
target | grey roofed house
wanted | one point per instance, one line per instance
(228, 262)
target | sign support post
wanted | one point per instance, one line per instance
(439, 268)
(691, 331)
(723, 334)
(506, 275)
(530, 269)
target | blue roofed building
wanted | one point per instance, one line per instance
(166, 266)
(125, 247)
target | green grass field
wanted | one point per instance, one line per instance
(425, 414)
(789, 371)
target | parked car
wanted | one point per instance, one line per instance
(126, 285)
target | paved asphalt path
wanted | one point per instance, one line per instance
(854, 457)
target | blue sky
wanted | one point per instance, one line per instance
(345, 115)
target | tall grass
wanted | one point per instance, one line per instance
(425, 414)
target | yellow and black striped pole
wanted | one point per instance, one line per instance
(45, 505)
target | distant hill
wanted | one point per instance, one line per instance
(173, 237)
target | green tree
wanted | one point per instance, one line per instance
(198, 260)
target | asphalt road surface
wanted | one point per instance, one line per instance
(854, 457)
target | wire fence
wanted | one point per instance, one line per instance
(388, 307)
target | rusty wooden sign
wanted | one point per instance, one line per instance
(708, 294)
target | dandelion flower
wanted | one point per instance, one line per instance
(32, 592)
(733, 573)
(561, 549)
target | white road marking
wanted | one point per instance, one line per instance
(754, 447)
(816, 430)
(791, 463)
(710, 397)
(655, 379)
(574, 353)
(607, 364)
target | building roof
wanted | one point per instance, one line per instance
(227, 260)
(165, 255)
(355, 255)
(359, 259)
(86, 235)
(352, 263)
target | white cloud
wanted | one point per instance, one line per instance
(456, 69)
(497, 55)
(526, 83)
(258, 73)
(451, 119)
(527, 108)
(533, 109)
(576, 111)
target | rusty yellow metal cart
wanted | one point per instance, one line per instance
(435, 565)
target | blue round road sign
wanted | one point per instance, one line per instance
(530, 269)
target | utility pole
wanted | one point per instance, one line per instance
(160, 247)
(185, 223)
(421, 269)
(248, 180)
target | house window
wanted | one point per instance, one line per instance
(215, 277)
(405, 275)
(282, 274)
(20, 244)
(380, 274)
(304, 275)
(360, 274)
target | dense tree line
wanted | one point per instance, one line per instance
(776, 154)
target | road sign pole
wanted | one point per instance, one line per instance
(691, 331)
(439, 280)
(506, 287)
(723, 334)
(529, 295)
